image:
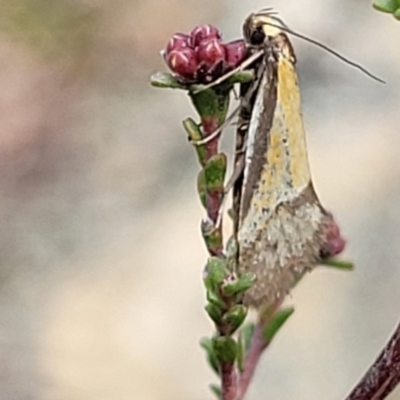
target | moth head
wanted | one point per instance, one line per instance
(260, 26)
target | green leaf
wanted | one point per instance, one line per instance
(235, 317)
(212, 236)
(211, 103)
(207, 345)
(216, 389)
(246, 333)
(276, 323)
(215, 170)
(239, 77)
(165, 80)
(388, 6)
(225, 83)
(201, 187)
(216, 270)
(239, 285)
(213, 298)
(225, 348)
(338, 264)
(195, 135)
(215, 312)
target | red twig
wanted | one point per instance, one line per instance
(213, 200)
(258, 344)
(213, 203)
(257, 347)
(383, 376)
(229, 381)
(210, 125)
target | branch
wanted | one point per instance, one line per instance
(228, 380)
(258, 344)
(383, 376)
(268, 326)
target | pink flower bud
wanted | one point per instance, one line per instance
(235, 53)
(210, 52)
(200, 33)
(177, 42)
(336, 243)
(183, 62)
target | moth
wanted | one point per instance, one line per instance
(281, 228)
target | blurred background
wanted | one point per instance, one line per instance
(101, 295)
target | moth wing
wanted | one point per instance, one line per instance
(282, 224)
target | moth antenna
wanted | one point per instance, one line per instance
(269, 11)
(285, 28)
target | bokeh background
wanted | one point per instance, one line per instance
(101, 257)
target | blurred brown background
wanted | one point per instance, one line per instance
(101, 258)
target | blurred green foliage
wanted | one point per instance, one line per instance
(388, 6)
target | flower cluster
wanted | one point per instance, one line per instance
(201, 56)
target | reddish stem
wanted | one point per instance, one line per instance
(229, 381)
(213, 203)
(258, 344)
(257, 347)
(210, 125)
(213, 199)
(383, 376)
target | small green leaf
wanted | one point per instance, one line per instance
(239, 285)
(195, 135)
(211, 103)
(246, 333)
(207, 345)
(225, 348)
(165, 80)
(240, 77)
(216, 389)
(338, 264)
(388, 6)
(215, 312)
(235, 317)
(212, 237)
(216, 270)
(215, 170)
(225, 83)
(215, 299)
(276, 323)
(192, 130)
(396, 14)
(201, 187)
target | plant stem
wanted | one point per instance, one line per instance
(257, 347)
(213, 199)
(228, 381)
(212, 108)
(383, 376)
(258, 344)
(210, 125)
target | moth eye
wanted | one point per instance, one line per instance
(257, 36)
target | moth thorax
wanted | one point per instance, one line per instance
(257, 27)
